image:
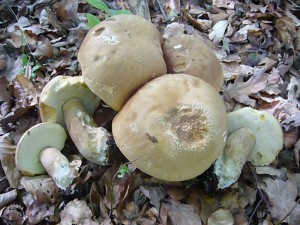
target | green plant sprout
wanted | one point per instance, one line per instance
(123, 170)
(98, 4)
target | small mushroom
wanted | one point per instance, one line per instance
(237, 151)
(190, 55)
(119, 55)
(267, 131)
(69, 102)
(38, 152)
(173, 128)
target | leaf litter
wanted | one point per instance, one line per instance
(258, 45)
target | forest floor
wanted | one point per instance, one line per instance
(258, 46)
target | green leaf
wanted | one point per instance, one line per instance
(123, 170)
(98, 4)
(24, 59)
(113, 12)
(92, 20)
(35, 68)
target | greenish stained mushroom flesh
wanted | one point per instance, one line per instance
(267, 131)
(237, 151)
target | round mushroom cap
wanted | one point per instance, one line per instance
(173, 128)
(119, 55)
(61, 89)
(190, 55)
(33, 141)
(267, 131)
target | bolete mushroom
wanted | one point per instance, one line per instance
(69, 102)
(267, 131)
(189, 54)
(173, 128)
(119, 55)
(38, 152)
(237, 151)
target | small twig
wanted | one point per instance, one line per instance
(288, 214)
(41, 4)
(263, 198)
(255, 210)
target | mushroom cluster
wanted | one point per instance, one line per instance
(171, 121)
(170, 126)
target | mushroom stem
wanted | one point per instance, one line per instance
(57, 166)
(91, 141)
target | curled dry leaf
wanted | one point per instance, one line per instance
(12, 214)
(7, 158)
(221, 217)
(37, 212)
(218, 31)
(7, 197)
(75, 212)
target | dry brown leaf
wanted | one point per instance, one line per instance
(24, 92)
(282, 195)
(156, 194)
(228, 4)
(7, 158)
(12, 69)
(240, 90)
(75, 212)
(286, 29)
(4, 93)
(37, 212)
(13, 214)
(42, 188)
(221, 217)
(181, 214)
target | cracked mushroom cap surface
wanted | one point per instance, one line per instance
(33, 142)
(173, 128)
(119, 55)
(189, 54)
(61, 89)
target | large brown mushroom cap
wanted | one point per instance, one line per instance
(172, 128)
(119, 55)
(190, 55)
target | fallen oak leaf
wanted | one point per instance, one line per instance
(181, 214)
(240, 90)
(282, 195)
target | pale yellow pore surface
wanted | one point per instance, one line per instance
(119, 55)
(190, 55)
(173, 128)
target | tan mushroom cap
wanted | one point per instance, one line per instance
(172, 128)
(190, 55)
(119, 55)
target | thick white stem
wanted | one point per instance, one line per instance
(91, 141)
(57, 166)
